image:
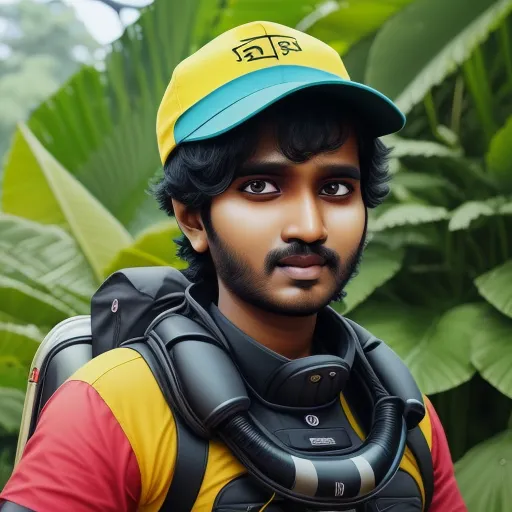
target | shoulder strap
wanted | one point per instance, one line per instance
(192, 451)
(418, 445)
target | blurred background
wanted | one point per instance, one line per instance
(80, 83)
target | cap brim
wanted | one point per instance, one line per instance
(379, 114)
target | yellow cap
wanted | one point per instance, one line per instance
(248, 68)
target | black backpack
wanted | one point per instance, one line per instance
(121, 311)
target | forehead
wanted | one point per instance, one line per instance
(295, 150)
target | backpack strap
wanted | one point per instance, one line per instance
(192, 451)
(418, 445)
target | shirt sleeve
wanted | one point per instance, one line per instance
(446, 495)
(78, 459)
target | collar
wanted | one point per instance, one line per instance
(270, 374)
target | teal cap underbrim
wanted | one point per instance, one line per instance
(242, 98)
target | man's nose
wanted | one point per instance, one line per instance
(305, 222)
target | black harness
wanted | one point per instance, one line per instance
(210, 394)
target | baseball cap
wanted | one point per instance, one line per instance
(250, 67)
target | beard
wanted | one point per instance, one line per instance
(252, 286)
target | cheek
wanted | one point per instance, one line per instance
(345, 226)
(247, 228)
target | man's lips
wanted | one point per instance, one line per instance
(310, 260)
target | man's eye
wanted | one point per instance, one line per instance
(336, 189)
(260, 187)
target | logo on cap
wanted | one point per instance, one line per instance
(266, 47)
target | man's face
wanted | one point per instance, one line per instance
(286, 237)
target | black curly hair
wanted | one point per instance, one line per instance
(305, 123)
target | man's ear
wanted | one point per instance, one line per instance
(192, 225)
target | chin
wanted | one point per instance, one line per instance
(305, 304)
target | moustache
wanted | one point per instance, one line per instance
(296, 248)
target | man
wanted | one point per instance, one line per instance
(271, 158)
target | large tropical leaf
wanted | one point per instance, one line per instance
(424, 184)
(435, 346)
(496, 287)
(499, 157)
(442, 35)
(18, 344)
(378, 266)
(28, 304)
(11, 408)
(350, 22)
(286, 12)
(101, 125)
(424, 236)
(424, 148)
(491, 351)
(154, 246)
(484, 475)
(44, 254)
(38, 188)
(464, 215)
(408, 214)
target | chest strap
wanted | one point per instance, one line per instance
(192, 451)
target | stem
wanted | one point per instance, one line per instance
(476, 251)
(459, 411)
(505, 50)
(458, 96)
(502, 236)
(453, 262)
(460, 268)
(478, 86)
(430, 109)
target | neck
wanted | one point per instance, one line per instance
(288, 336)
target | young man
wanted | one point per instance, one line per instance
(271, 159)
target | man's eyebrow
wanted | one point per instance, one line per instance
(342, 171)
(264, 168)
(280, 169)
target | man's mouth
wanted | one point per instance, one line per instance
(303, 268)
(302, 261)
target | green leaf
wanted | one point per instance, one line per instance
(38, 188)
(420, 46)
(154, 246)
(464, 216)
(496, 287)
(378, 266)
(44, 254)
(466, 213)
(407, 147)
(434, 346)
(285, 12)
(409, 214)
(499, 157)
(18, 345)
(101, 124)
(424, 236)
(356, 58)
(350, 22)
(484, 474)
(419, 181)
(11, 408)
(491, 351)
(30, 305)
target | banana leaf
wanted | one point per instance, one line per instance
(424, 43)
